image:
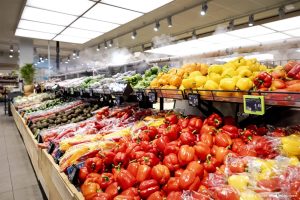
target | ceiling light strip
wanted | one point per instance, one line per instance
(99, 2)
(50, 10)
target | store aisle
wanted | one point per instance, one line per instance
(17, 178)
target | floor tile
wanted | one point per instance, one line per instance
(5, 183)
(28, 193)
(6, 196)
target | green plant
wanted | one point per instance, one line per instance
(27, 73)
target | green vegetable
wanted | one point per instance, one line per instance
(148, 73)
(154, 70)
(165, 69)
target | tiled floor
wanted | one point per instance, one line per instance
(17, 178)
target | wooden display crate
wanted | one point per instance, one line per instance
(55, 184)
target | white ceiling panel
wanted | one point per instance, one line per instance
(34, 34)
(94, 25)
(73, 7)
(111, 14)
(251, 32)
(285, 24)
(218, 38)
(294, 33)
(138, 5)
(39, 15)
(38, 26)
(270, 37)
(71, 39)
(80, 33)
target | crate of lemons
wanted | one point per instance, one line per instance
(237, 74)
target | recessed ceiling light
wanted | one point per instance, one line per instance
(38, 26)
(94, 25)
(72, 7)
(251, 31)
(111, 14)
(40, 15)
(284, 24)
(138, 5)
(34, 34)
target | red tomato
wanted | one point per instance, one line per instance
(172, 185)
(171, 161)
(207, 139)
(223, 140)
(160, 173)
(186, 179)
(186, 154)
(202, 150)
(196, 167)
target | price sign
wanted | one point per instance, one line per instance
(254, 105)
(194, 99)
(118, 100)
(152, 97)
(139, 96)
(73, 174)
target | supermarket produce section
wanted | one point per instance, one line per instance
(86, 143)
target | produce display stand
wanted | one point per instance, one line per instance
(55, 184)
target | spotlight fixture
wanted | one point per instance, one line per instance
(231, 25)
(133, 36)
(143, 47)
(156, 27)
(68, 58)
(281, 12)
(204, 9)
(46, 58)
(111, 43)
(251, 20)
(194, 35)
(11, 54)
(77, 54)
(18, 50)
(74, 52)
(170, 24)
(105, 44)
(98, 47)
(11, 49)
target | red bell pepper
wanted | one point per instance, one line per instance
(172, 132)
(294, 71)
(214, 120)
(187, 137)
(94, 164)
(172, 185)
(186, 154)
(223, 140)
(149, 159)
(195, 124)
(83, 172)
(263, 80)
(148, 187)
(171, 119)
(171, 161)
(183, 122)
(125, 179)
(121, 158)
(143, 173)
(160, 173)
(230, 130)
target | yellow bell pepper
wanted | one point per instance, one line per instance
(200, 81)
(245, 73)
(250, 195)
(189, 83)
(244, 84)
(204, 69)
(211, 85)
(227, 84)
(239, 182)
(215, 77)
(229, 73)
(218, 69)
(291, 145)
(175, 80)
(195, 74)
(294, 161)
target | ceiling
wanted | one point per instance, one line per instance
(185, 19)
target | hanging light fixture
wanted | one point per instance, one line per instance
(133, 36)
(11, 54)
(74, 53)
(281, 12)
(105, 44)
(77, 54)
(251, 20)
(111, 43)
(231, 25)
(194, 35)
(98, 47)
(204, 9)
(143, 47)
(156, 27)
(68, 58)
(11, 48)
(170, 24)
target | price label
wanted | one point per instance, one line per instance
(152, 97)
(139, 96)
(72, 91)
(194, 99)
(118, 100)
(73, 174)
(254, 105)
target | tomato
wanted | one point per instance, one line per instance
(183, 122)
(83, 172)
(195, 124)
(132, 168)
(207, 139)
(125, 179)
(121, 158)
(112, 190)
(186, 154)
(178, 172)
(187, 137)
(172, 132)
(225, 193)
(175, 195)
(211, 164)
(94, 164)
(89, 189)
(172, 185)
(158, 195)
(106, 180)
(202, 150)
(143, 173)
(148, 187)
(160, 173)
(186, 179)
(171, 161)
(221, 154)
(223, 140)
(207, 129)
(196, 167)
(171, 119)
